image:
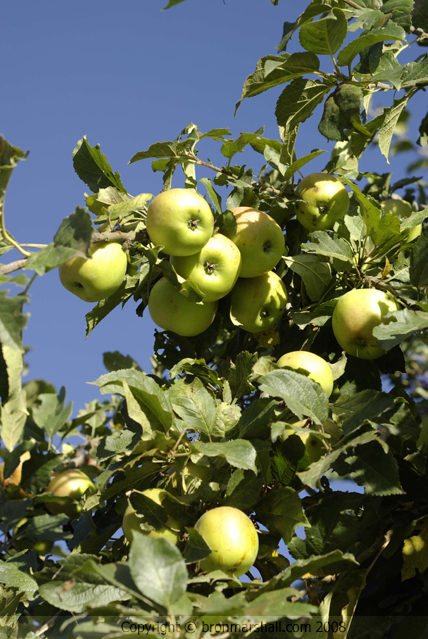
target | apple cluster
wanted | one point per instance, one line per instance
(181, 222)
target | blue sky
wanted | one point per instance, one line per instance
(126, 75)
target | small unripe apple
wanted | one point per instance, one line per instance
(131, 521)
(260, 240)
(98, 277)
(232, 537)
(325, 201)
(180, 220)
(315, 446)
(69, 483)
(355, 316)
(41, 546)
(172, 311)
(258, 303)
(401, 209)
(318, 369)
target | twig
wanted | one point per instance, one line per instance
(354, 5)
(13, 266)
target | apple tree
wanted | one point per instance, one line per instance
(172, 515)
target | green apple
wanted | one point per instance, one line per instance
(401, 209)
(131, 521)
(214, 269)
(232, 537)
(318, 369)
(258, 303)
(315, 446)
(98, 277)
(354, 318)
(41, 546)
(172, 311)
(180, 220)
(69, 483)
(260, 240)
(325, 201)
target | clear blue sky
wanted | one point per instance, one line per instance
(126, 75)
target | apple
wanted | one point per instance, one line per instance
(258, 302)
(354, 318)
(98, 277)
(214, 269)
(69, 483)
(172, 311)
(401, 209)
(318, 369)
(41, 546)
(325, 201)
(260, 240)
(315, 446)
(131, 521)
(11, 483)
(232, 537)
(180, 220)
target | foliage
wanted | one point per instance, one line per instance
(216, 422)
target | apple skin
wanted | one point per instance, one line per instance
(180, 220)
(171, 311)
(68, 483)
(318, 369)
(232, 537)
(401, 209)
(260, 240)
(41, 546)
(315, 447)
(131, 521)
(96, 278)
(214, 269)
(15, 478)
(325, 201)
(354, 318)
(258, 303)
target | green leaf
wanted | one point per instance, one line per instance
(12, 320)
(301, 395)
(158, 569)
(356, 409)
(270, 606)
(391, 116)
(325, 36)
(317, 564)
(214, 196)
(52, 413)
(103, 199)
(298, 101)
(12, 577)
(419, 261)
(404, 324)
(157, 150)
(274, 70)
(79, 595)
(93, 169)
(390, 32)
(238, 452)
(172, 3)
(281, 510)
(315, 273)
(375, 469)
(298, 164)
(330, 245)
(196, 548)
(315, 8)
(194, 404)
(256, 418)
(420, 15)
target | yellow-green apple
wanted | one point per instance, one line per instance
(317, 368)
(401, 209)
(214, 269)
(11, 483)
(41, 546)
(98, 277)
(355, 316)
(69, 483)
(324, 201)
(258, 303)
(131, 521)
(260, 240)
(180, 220)
(315, 446)
(232, 537)
(172, 311)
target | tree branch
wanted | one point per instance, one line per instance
(13, 266)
